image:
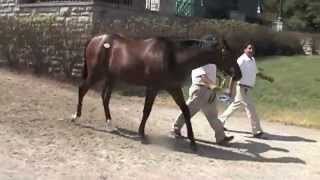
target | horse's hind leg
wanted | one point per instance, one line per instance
(150, 96)
(83, 89)
(106, 94)
(177, 95)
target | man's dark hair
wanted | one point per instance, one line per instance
(247, 43)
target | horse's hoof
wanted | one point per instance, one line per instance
(110, 130)
(145, 140)
(110, 127)
(193, 146)
(141, 135)
(74, 117)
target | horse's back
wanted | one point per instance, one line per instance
(137, 61)
(142, 61)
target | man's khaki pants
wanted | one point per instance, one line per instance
(202, 98)
(243, 97)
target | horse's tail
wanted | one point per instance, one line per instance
(85, 69)
(105, 49)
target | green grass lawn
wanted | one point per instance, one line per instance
(294, 97)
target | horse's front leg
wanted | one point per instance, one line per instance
(177, 95)
(106, 95)
(150, 97)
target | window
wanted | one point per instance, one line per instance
(119, 2)
(153, 5)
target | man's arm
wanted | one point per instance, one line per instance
(232, 83)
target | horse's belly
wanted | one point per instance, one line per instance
(142, 79)
(132, 76)
(161, 81)
(145, 79)
(139, 75)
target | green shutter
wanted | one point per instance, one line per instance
(185, 7)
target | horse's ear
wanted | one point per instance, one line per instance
(210, 40)
(225, 44)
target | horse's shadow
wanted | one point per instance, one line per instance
(277, 137)
(248, 151)
(237, 151)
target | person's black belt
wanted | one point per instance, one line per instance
(246, 86)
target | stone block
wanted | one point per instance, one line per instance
(89, 9)
(75, 14)
(86, 13)
(65, 11)
(60, 19)
(84, 19)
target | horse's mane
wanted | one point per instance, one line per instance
(190, 47)
(194, 43)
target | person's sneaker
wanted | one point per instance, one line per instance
(175, 133)
(225, 140)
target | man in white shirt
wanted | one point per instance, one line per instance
(202, 97)
(244, 87)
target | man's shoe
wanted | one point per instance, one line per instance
(225, 140)
(175, 133)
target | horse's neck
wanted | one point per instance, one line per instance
(192, 58)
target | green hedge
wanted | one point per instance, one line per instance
(237, 33)
(267, 41)
(47, 46)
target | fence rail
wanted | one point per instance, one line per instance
(51, 1)
(115, 2)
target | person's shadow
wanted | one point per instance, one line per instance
(276, 137)
(248, 151)
(235, 151)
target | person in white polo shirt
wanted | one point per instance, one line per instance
(202, 97)
(244, 87)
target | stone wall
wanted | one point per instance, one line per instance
(79, 21)
(57, 47)
(72, 12)
(63, 53)
(7, 7)
(310, 43)
(307, 46)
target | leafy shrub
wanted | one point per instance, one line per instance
(46, 45)
(267, 42)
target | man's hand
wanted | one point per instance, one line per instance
(215, 88)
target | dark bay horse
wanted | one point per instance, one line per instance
(156, 63)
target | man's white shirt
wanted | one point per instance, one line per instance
(210, 70)
(248, 69)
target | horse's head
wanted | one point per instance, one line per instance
(229, 61)
(226, 60)
(210, 49)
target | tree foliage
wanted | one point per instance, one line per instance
(303, 15)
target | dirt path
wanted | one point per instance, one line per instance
(37, 141)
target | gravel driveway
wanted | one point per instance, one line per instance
(38, 141)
